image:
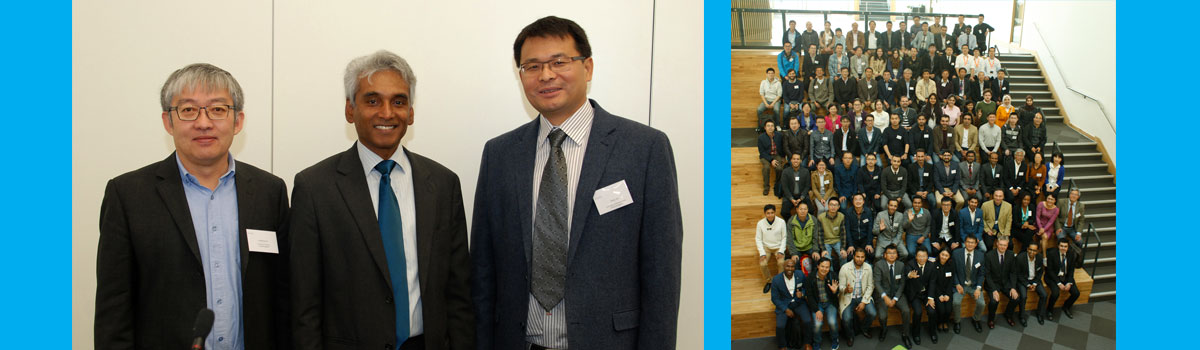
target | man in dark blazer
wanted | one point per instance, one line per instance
(601, 271)
(968, 280)
(1027, 277)
(1060, 276)
(918, 272)
(998, 283)
(791, 306)
(174, 234)
(889, 291)
(379, 237)
(1000, 86)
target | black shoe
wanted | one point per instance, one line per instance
(907, 342)
(991, 324)
(1010, 321)
(867, 333)
(933, 337)
(767, 288)
(978, 327)
(1040, 320)
(916, 338)
(957, 328)
(883, 333)
(1067, 312)
(1050, 316)
(1024, 323)
(765, 193)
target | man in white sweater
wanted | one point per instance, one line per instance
(768, 236)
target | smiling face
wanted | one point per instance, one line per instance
(202, 142)
(556, 95)
(381, 112)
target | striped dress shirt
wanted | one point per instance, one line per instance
(549, 328)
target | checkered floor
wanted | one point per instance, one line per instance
(1094, 327)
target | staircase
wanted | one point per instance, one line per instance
(874, 6)
(1084, 165)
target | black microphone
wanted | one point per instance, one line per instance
(204, 323)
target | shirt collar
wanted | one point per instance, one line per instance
(369, 159)
(577, 126)
(187, 176)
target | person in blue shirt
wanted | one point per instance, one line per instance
(970, 221)
(787, 60)
(843, 176)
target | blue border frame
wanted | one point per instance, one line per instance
(716, 179)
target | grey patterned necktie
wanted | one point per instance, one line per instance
(550, 227)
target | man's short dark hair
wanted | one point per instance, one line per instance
(551, 26)
(770, 70)
(768, 207)
(791, 70)
(891, 247)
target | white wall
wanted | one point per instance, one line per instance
(290, 59)
(1082, 37)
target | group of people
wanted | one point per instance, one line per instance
(371, 252)
(809, 293)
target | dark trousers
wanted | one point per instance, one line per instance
(796, 331)
(1041, 293)
(1054, 292)
(917, 306)
(993, 304)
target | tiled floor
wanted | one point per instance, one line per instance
(1094, 327)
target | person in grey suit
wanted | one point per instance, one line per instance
(574, 189)
(379, 236)
(970, 185)
(174, 234)
(889, 229)
(889, 290)
(796, 183)
(968, 279)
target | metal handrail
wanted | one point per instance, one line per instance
(1073, 186)
(1068, 83)
(1056, 149)
(825, 14)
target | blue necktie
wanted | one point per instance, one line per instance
(391, 228)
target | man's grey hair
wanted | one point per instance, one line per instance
(368, 65)
(199, 76)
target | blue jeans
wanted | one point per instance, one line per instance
(911, 244)
(829, 311)
(848, 314)
(834, 251)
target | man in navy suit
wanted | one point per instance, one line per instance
(575, 189)
(787, 293)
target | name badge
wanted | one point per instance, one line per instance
(824, 138)
(868, 86)
(897, 276)
(1021, 173)
(947, 274)
(889, 88)
(926, 174)
(931, 259)
(864, 221)
(997, 176)
(949, 135)
(1038, 174)
(925, 136)
(943, 84)
(911, 88)
(612, 197)
(951, 224)
(795, 86)
(976, 219)
(1060, 273)
(953, 171)
(898, 137)
(262, 241)
(797, 178)
(1014, 137)
(977, 265)
(876, 177)
(899, 178)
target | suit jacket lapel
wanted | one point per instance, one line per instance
(423, 193)
(594, 161)
(170, 188)
(353, 187)
(522, 178)
(245, 200)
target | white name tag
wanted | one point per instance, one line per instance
(952, 171)
(925, 136)
(898, 137)
(947, 274)
(1060, 273)
(897, 276)
(951, 224)
(612, 197)
(911, 88)
(899, 178)
(889, 88)
(949, 135)
(976, 265)
(865, 220)
(931, 259)
(1021, 173)
(876, 177)
(824, 138)
(262, 241)
(996, 176)
(868, 86)
(976, 219)
(927, 174)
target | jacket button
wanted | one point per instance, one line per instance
(388, 300)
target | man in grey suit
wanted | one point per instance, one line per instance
(379, 236)
(575, 189)
(1071, 217)
(889, 290)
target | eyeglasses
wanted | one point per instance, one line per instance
(557, 65)
(191, 112)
